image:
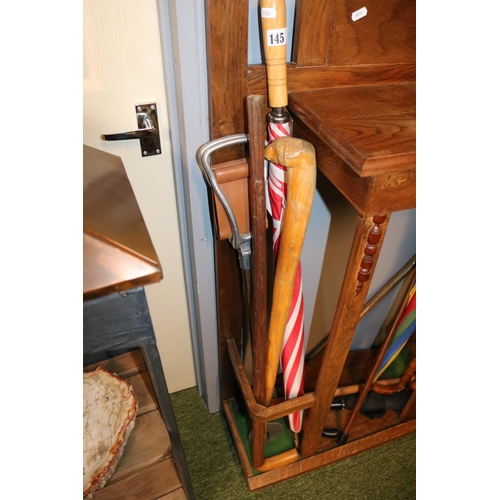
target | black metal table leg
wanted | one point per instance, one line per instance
(155, 369)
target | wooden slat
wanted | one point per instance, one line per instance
(143, 389)
(330, 456)
(310, 47)
(148, 443)
(354, 369)
(146, 470)
(342, 331)
(386, 429)
(258, 412)
(175, 495)
(124, 365)
(149, 484)
(409, 412)
(238, 444)
(300, 78)
(131, 367)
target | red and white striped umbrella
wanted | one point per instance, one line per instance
(292, 354)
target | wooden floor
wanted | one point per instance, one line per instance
(146, 470)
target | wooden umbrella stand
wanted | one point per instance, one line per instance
(242, 181)
(313, 450)
(358, 433)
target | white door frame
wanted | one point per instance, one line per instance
(182, 28)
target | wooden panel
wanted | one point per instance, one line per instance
(148, 443)
(370, 127)
(393, 192)
(150, 484)
(310, 46)
(310, 78)
(227, 27)
(230, 313)
(354, 368)
(227, 46)
(385, 35)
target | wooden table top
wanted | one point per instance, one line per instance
(118, 253)
(371, 127)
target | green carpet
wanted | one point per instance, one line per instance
(387, 472)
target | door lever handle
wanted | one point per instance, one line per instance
(147, 133)
(146, 129)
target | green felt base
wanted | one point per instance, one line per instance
(244, 423)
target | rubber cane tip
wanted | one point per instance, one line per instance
(343, 438)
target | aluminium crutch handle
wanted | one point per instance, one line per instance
(240, 242)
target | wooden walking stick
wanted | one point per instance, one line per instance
(299, 158)
(257, 199)
(257, 202)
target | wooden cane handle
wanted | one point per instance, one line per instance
(299, 158)
(274, 33)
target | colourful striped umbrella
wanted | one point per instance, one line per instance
(292, 354)
(406, 327)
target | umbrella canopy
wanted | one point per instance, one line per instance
(292, 354)
(406, 327)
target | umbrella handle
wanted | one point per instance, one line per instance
(274, 33)
(299, 158)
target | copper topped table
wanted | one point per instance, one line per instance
(118, 261)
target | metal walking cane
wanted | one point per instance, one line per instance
(274, 32)
(240, 242)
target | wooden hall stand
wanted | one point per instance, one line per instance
(119, 260)
(352, 95)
